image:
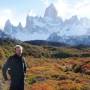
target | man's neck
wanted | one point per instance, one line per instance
(19, 55)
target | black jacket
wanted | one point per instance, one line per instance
(17, 68)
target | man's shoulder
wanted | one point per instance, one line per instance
(11, 57)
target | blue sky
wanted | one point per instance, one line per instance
(17, 10)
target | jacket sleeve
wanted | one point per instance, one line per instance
(24, 65)
(5, 68)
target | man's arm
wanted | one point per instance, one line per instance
(5, 68)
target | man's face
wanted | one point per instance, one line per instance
(18, 51)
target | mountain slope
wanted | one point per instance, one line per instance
(70, 40)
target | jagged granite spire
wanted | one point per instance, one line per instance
(51, 11)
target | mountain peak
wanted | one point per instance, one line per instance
(8, 23)
(52, 5)
(51, 11)
(74, 17)
(73, 20)
(8, 27)
(20, 26)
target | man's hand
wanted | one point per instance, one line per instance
(8, 75)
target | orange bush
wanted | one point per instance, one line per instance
(41, 86)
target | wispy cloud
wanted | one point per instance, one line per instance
(66, 9)
(13, 16)
(4, 15)
(82, 9)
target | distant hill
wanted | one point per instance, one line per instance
(46, 43)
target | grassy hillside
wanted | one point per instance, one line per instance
(51, 68)
(58, 74)
(7, 48)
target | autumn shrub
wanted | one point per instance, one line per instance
(42, 86)
(1, 53)
(77, 68)
(85, 87)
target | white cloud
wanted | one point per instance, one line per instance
(63, 8)
(19, 18)
(83, 9)
(4, 15)
(13, 16)
(66, 10)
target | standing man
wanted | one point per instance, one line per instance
(14, 69)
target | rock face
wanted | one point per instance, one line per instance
(71, 40)
(3, 35)
(51, 11)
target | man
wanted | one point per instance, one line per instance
(14, 69)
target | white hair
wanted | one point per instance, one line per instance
(19, 46)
